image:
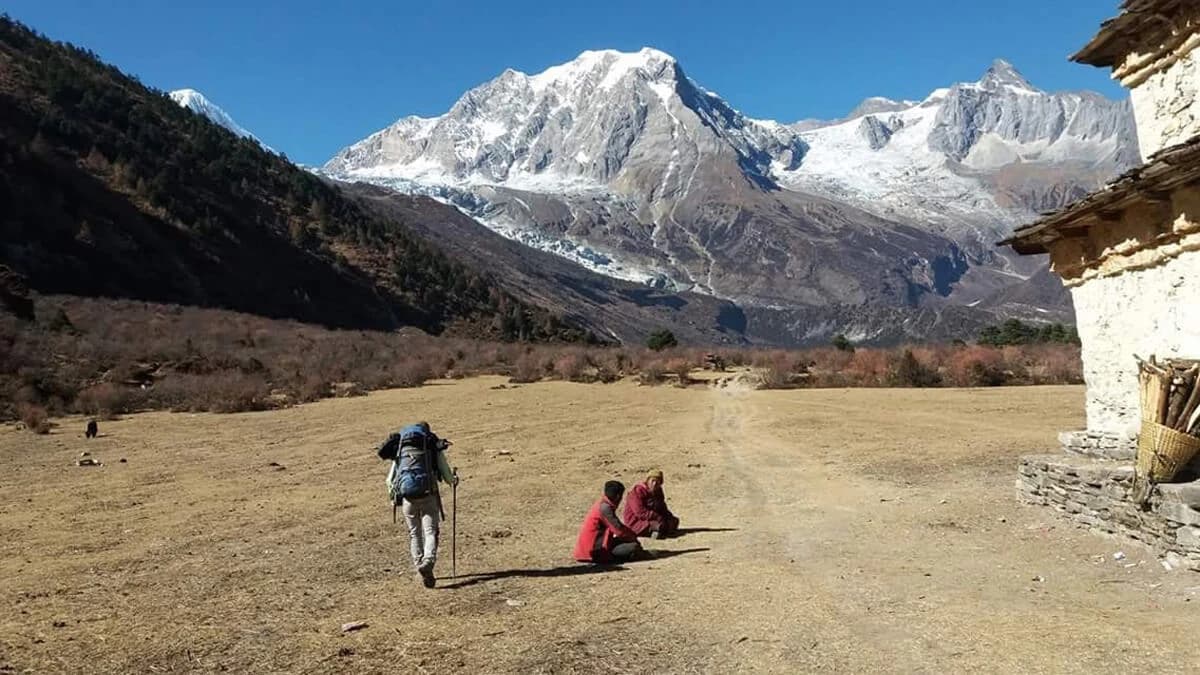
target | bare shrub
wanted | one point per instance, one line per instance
(527, 369)
(35, 418)
(652, 373)
(907, 371)
(783, 370)
(105, 400)
(224, 393)
(348, 390)
(202, 359)
(412, 374)
(864, 367)
(311, 388)
(606, 376)
(1060, 364)
(570, 367)
(681, 369)
(976, 366)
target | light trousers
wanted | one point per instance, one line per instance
(422, 515)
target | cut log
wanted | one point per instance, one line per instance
(1164, 397)
(1178, 396)
(1192, 403)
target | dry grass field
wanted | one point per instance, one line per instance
(849, 530)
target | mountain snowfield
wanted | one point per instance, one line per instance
(621, 162)
(199, 104)
(930, 161)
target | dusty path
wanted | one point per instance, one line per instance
(856, 530)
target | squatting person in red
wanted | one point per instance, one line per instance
(603, 538)
(646, 510)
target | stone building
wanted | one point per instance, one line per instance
(1130, 255)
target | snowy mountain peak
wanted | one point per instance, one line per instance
(604, 68)
(578, 125)
(619, 161)
(1002, 75)
(199, 104)
(878, 104)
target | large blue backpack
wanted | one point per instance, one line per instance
(414, 473)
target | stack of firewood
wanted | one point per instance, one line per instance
(1170, 394)
(1170, 436)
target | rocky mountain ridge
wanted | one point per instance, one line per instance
(621, 162)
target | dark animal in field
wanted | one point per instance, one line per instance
(92, 429)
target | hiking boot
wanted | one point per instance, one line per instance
(427, 577)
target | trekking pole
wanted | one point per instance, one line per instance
(454, 526)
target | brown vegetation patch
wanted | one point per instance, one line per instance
(122, 356)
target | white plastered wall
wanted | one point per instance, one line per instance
(1144, 311)
(1166, 105)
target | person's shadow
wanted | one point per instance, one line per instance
(466, 580)
(683, 531)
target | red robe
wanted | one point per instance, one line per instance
(646, 510)
(600, 532)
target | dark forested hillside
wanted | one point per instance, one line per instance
(108, 188)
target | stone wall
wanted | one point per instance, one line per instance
(1099, 444)
(1155, 310)
(1094, 493)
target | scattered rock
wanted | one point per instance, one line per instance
(1002, 519)
(503, 453)
(499, 387)
(1119, 555)
(277, 466)
(86, 461)
(85, 453)
(500, 534)
(353, 626)
(59, 624)
(122, 460)
(513, 603)
(943, 501)
(1039, 578)
(345, 651)
(1173, 561)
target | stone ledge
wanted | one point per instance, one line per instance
(1094, 493)
(1098, 444)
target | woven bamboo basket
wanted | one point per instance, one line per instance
(1163, 451)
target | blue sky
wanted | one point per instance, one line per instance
(311, 77)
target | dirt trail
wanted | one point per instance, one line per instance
(852, 530)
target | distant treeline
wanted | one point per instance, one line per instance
(1017, 332)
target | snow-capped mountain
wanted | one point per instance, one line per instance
(957, 161)
(199, 104)
(623, 163)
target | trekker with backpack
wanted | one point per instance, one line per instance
(418, 463)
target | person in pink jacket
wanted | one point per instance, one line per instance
(646, 511)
